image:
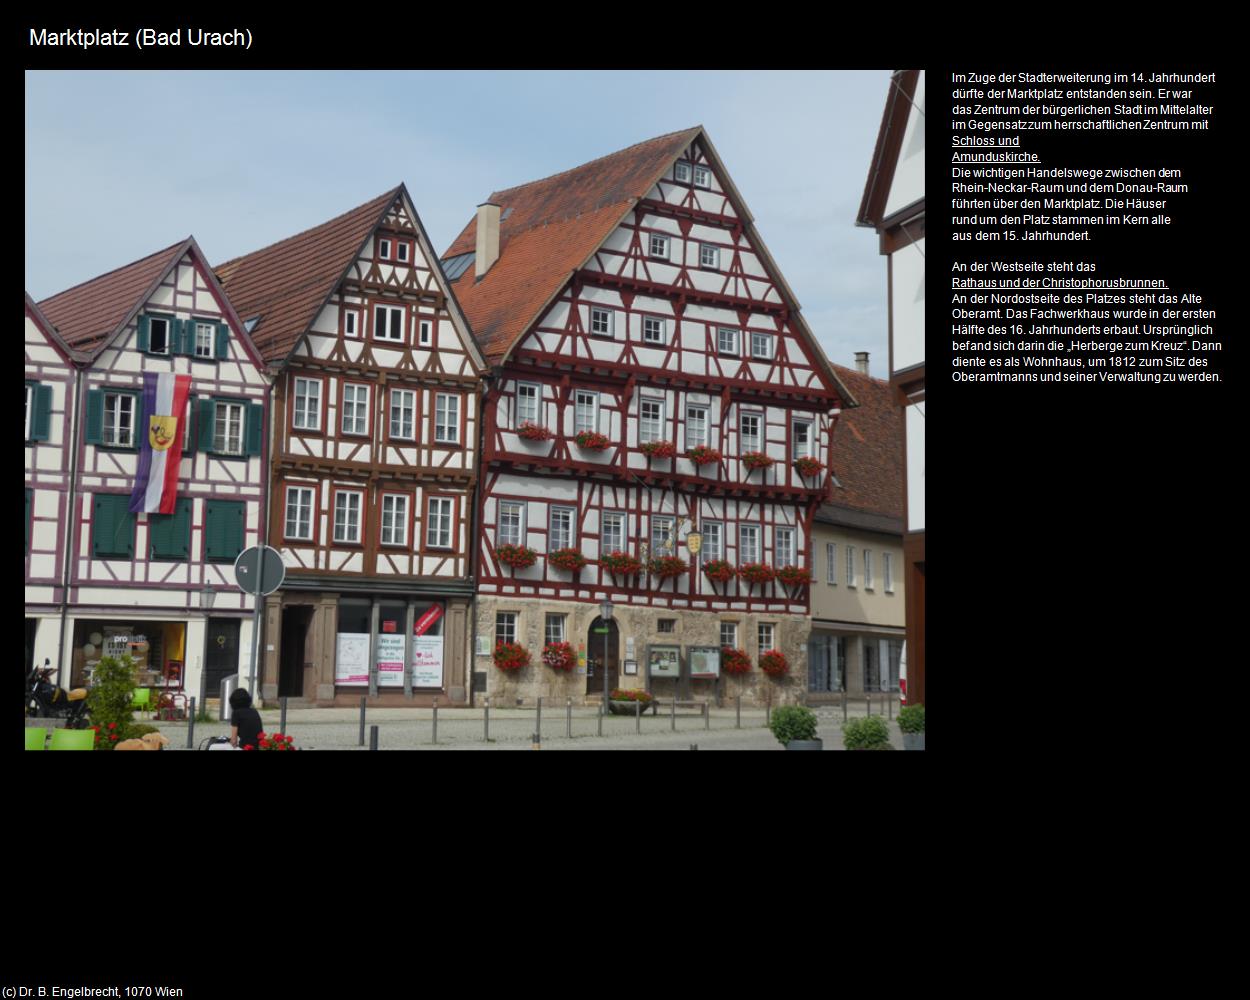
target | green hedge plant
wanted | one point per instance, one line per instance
(869, 733)
(911, 719)
(793, 722)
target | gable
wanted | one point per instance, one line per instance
(907, 184)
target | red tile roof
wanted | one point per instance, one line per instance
(87, 315)
(868, 450)
(287, 283)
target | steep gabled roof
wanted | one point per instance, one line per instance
(889, 143)
(287, 283)
(89, 315)
(868, 455)
(51, 332)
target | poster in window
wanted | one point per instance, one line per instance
(704, 661)
(664, 661)
(389, 657)
(427, 661)
(351, 665)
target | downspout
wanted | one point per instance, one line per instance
(265, 468)
(475, 551)
(71, 533)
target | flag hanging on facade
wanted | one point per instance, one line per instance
(160, 450)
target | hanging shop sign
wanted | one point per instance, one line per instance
(664, 661)
(389, 658)
(704, 661)
(694, 543)
(351, 663)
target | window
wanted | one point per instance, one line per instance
(388, 323)
(527, 397)
(658, 246)
(727, 341)
(158, 335)
(586, 412)
(355, 409)
(30, 398)
(384, 249)
(784, 541)
(748, 543)
(729, 635)
(349, 324)
(867, 569)
(767, 638)
(872, 665)
(802, 439)
(505, 626)
(709, 256)
(749, 426)
(446, 418)
(826, 663)
(713, 541)
(666, 625)
(401, 251)
(204, 340)
(299, 505)
(651, 423)
(560, 533)
(653, 330)
(169, 535)
(228, 428)
(403, 401)
(394, 519)
(112, 527)
(439, 523)
(119, 420)
(702, 177)
(831, 564)
(307, 416)
(555, 629)
(681, 171)
(613, 539)
(425, 336)
(696, 426)
(762, 346)
(661, 535)
(601, 322)
(224, 522)
(511, 523)
(850, 565)
(347, 517)
(887, 570)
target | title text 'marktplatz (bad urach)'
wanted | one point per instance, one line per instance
(142, 38)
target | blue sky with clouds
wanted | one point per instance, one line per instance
(120, 164)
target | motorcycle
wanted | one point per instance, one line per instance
(45, 699)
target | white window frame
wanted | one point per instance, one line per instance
(650, 428)
(398, 405)
(581, 398)
(351, 327)
(152, 321)
(735, 352)
(510, 508)
(306, 521)
(384, 249)
(831, 563)
(234, 418)
(734, 627)
(681, 171)
(350, 533)
(312, 404)
(751, 531)
(505, 626)
(803, 449)
(425, 333)
(398, 527)
(523, 414)
(607, 315)
(705, 173)
(378, 311)
(205, 340)
(887, 570)
(662, 527)
(657, 246)
(356, 406)
(713, 551)
(701, 439)
(401, 251)
(612, 515)
(783, 545)
(868, 569)
(440, 514)
(448, 412)
(30, 406)
(654, 330)
(114, 428)
(556, 634)
(759, 338)
(850, 565)
(766, 637)
(746, 439)
(561, 538)
(706, 251)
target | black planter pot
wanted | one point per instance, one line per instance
(805, 745)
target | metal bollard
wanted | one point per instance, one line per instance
(486, 723)
(672, 714)
(568, 719)
(694, 746)
(373, 737)
(362, 720)
(738, 724)
(536, 741)
(844, 706)
(435, 720)
(191, 726)
(890, 707)
(282, 724)
(601, 707)
(868, 705)
(638, 718)
(768, 711)
(538, 723)
(707, 718)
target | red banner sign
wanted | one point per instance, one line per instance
(424, 623)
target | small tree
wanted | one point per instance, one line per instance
(109, 701)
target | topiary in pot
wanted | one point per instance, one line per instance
(869, 733)
(795, 728)
(911, 722)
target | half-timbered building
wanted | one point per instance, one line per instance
(158, 585)
(653, 378)
(375, 458)
(893, 204)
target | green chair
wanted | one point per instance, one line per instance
(36, 738)
(142, 699)
(73, 739)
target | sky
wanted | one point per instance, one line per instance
(121, 164)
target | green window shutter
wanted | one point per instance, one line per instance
(29, 495)
(145, 333)
(180, 342)
(223, 341)
(207, 408)
(223, 520)
(170, 534)
(141, 422)
(113, 527)
(41, 419)
(95, 416)
(255, 428)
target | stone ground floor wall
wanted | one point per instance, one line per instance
(641, 625)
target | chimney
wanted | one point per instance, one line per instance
(487, 238)
(861, 362)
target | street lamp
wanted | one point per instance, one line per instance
(605, 612)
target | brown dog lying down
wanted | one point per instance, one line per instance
(148, 741)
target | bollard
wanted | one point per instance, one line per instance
(601, 707)
(362, 720)
(890, 707)
(868, 705)
(538, 723)
(707, 718)
(282, 724)
(738, 724)
(844, 706)
(672, 713)
(694, 746)
(768, 710)
(638, 718)
(373, 737)
(536, 741)
(568, 718)
(191, 726)
(435, 720)
(486, 723)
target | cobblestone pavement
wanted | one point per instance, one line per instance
(513, 729)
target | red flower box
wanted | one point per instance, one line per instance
(511, 656)
(773, 663)
(757, 460)
(735, 661)
(808, 467)
(559, 656)
(756, 573)
(516, 556)
(569, 559)
(792, 576)
(659, 449)
(621, 694)
(720, 571)
(277, 741)
(621, 564)
(532, 432)
(591, 441)
(703, 456)
(666, 566)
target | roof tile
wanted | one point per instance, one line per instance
(868, 449)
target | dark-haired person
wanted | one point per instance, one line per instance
(246, 727)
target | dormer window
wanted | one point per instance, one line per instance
(681, 171)
(702, 177)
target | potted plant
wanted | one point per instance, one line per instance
(559, 656)
(793, 576)
(868, 733)
(807, 467)
(530, 431)
(703, 455)
(795, 728)
(911, 722)
(658, 449)
(510, 656)
(666, 566)
(719, 570)
(774, 663)
(274, 741)
(591, 441)
(621, 564)
(569, 559)
(516, 556)
(756, 573)
(756, 460)
(621, 701)
(735, 661)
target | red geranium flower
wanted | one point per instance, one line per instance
(112, 725)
